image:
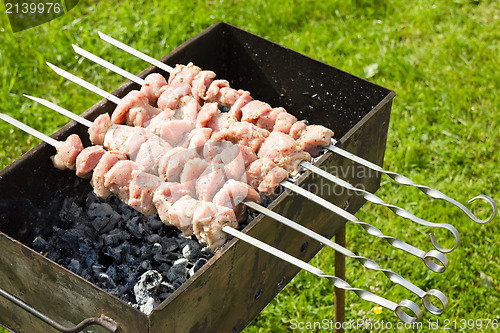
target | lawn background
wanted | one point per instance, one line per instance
(441, 58)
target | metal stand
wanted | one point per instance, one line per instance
(340, 273)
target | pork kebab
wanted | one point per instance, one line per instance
(207, 220)
(275, 148)
(393, 175)
(203, 83)
(233, 166)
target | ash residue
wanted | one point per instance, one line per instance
(132, 256)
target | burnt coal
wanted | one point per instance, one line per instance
(134, 257)
(146, 289)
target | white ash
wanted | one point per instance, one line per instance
(132, 256)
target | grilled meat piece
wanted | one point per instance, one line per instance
(134, 110)
(87, 160)
(152, 87)
(67, 152)
(265, 176)
(284, 151)
(315, 137)
(245, 134)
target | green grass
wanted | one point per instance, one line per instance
(441, 58)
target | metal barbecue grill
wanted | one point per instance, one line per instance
(239, 280)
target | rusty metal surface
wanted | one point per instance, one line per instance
(235, 285)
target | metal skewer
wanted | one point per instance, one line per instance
(427, 257)
(433, 193)
(29, 130)
(397, 210)
(134, 52)
(367, 195)
(368, 263)
(427, 190)
(339, 283)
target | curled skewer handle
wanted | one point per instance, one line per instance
(397, 210)
(339, 283)
(427, 190)
(368, 263)
(374, 231)
(431, 307)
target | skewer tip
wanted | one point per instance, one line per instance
(36, 99)
(54, 67)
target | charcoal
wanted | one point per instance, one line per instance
(111, 272)
(115, 253)
(164, 267)
(134, 250)
(207, 252)
(178, 282)
(104, 218)
(199, 263)
(157, 248)
(130, 259)
(153, 238)
(150, 304)
(39, 244)
(133, 227)
(178, 270)
(114, 247)
(161, 258)
(140, 228)
(147, 286)
(70, 211)
(169, 244)
(173, 256)
(107, 280)
(154, 223)
(164, 295)
(74, 266)
(146, 251)
(146, 265)
(97, 269)
(191, 250)
(182, 241)
(114, 291)
(113, 239)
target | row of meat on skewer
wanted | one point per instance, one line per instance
(192, 149)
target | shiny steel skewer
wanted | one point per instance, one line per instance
(397, 308)
(399, 244)
(368, 263)
(397, 210)
(43, 137)
(367, 195)
(433, 193)
(427, 190)
(339, 283)
(427, 257)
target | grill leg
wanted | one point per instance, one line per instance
(340, 273)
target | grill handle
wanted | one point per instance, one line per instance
(103, 321)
